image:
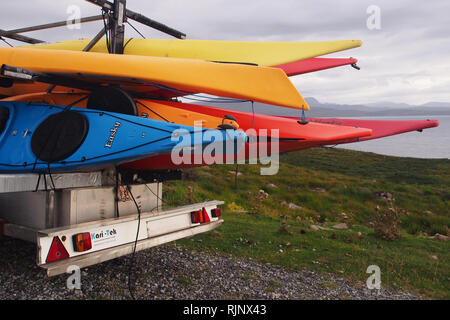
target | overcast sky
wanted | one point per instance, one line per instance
(406, 60)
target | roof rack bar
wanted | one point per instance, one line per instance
(26, 74)
(96, 39)
(118, 27)
(6, 34)
(54, 24)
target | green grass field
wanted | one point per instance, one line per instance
(324, 183)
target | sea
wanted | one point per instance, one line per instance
(432, 143)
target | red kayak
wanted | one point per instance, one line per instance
(291, 135)
(379, 128)
(314, 64)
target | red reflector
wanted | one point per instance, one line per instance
(57, 251)
(216, 213)
(82, 242)
(205, 216)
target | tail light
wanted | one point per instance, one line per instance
(215, 213)
(82, 242)
(200, 216)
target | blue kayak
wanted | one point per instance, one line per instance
(43, 138)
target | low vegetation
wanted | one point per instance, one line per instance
(334, 211)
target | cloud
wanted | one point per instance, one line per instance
(405, 61)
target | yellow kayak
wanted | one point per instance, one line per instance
(160, 76)
(263, 53)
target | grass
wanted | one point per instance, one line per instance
(185, 281)
(326, 183)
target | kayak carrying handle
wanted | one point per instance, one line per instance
(303, 120)
(226, 127)
(229, 117)
(354, 65)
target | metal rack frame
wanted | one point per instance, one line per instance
(116, 14)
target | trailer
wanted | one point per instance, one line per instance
(86, 218)
(82, 219)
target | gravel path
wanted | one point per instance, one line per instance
(171, 272)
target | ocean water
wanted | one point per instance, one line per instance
(433, 143)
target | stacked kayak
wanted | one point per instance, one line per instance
(380, 128)
(289, 132)
(263, 53)
(152, 109)
(293, 136)
(45, 138)
(314, 64)
(291, 57)
(162, 77)
(56, 114)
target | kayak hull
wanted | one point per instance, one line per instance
(156, 76)
(263, 53)
(151, 109)
(211, 117)
(290, 133)
(46, 138)
(314, 64)
(261, 129)
(379, 129)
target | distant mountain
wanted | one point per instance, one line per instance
(391, 105)
(436, 104)
(378, 109)
(319, 109)
(312, 101)
(394, 105)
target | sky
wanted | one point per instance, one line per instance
(405, 56)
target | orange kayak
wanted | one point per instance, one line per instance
(186, 114)
(156, 76)
(152, 109)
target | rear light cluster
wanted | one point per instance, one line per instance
(201, 216)
(82, 242)
(215, 213)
